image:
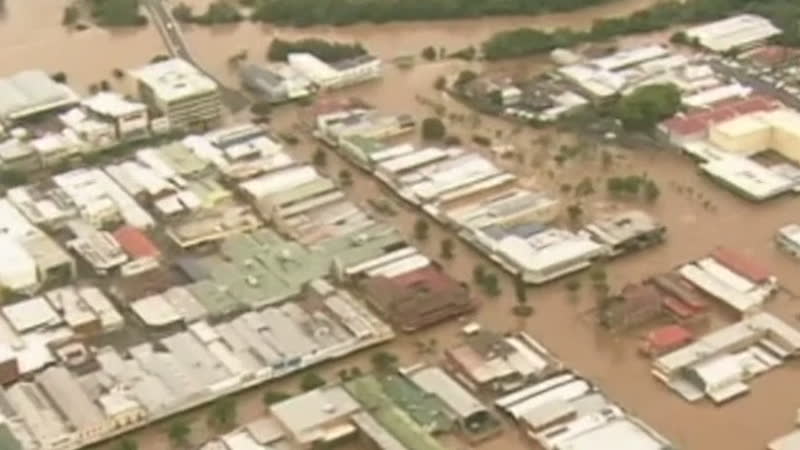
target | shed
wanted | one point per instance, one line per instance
(666, 338)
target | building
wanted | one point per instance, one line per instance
(336, 75)
(733, 33)
(97, 247)
(509, 207)
(276, 83)
(177, 90)
(636, 304)
(72, 401)
(665, 339)
(136, 243)
(788, 238)
(488, 362)
(32, 92)
(129, 118)
(34, 407)
(627, 232)
(789, 441)
(321, 415)
(749, 134)
(333, 127)
(412, 299)
(718, 364)
(537, 254)
(567, 411)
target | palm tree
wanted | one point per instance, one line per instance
(421, 229)
(447, 249)
(179, 433)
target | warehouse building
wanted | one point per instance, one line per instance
(82, 413)
(719, 364)
(749, 134)
(177, 90)
(627, 232)
(130, 119)
(276, 83)
(733, 33)
(336, 75)
(240, 151)
(32, 92)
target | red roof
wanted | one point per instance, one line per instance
(698, 122)
(741, 264)
(136, 243)
(669, 336)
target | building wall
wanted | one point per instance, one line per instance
(743, 143)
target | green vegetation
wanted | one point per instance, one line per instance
(320, 158)
(59, 77)
(345, 178)
(433, 129)
(575, 214)
(633, 187)
(222, 415)
(183, 12)
(384, 361)
(465, 77)
(645, 107)
(126, 444)
(310, 381)
(336, 12)
(322, 49)
(117, 13)
(429, 53)
(11, 178)
(179, 432)
(272, 397)
(447, 249)
(71, 15)
(219, 12)
(421, 229)
(527, 41)
(490, 285)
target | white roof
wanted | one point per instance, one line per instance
(714, 285)
(631, 56)
(156, 311)
(789, 441)
(17, 268)
(279, 181)
(29, 314)
(717, 94)
(113, 104)
(312, 67)
(619, 434)
(30, 92)
(174, 79)
(755, 180)
(547, 249)
(733, 32)
(435, 381)
(791, 232)
(303, 414)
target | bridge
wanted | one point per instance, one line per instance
(171, 33)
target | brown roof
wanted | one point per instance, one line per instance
(418, 298)
(700, 121)
(741, 264)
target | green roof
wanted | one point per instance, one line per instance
(364, 146)
(261, 268)
(429, 411)
(369, 391)
(181, 159)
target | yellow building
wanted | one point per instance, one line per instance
(746, 135)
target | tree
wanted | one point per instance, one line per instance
(126, 444)
(272, 397)
(183, 12)
(440, 84)
(118, 73)
(220, 12)
(584, 188)
(71, 15)
(421, 229)
(384, 361)
(345, 178)
(573, 285)
(114, 13)
(261, 108)
(491, 285)
(575, 213)
(327, 51)
(447, 249)
(223, 413)
(12, 178)
(429, 53)
(651, 191)
(59, 77)
(310, 381)
(179, 432)
(478, 274)
(104, 85)
(320, 158)
(465, 77)
(433, 129)
(648, 105)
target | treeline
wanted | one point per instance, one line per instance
(324, 50)
(338, 12)
(528, 41)
(117, 13)
(218, 12)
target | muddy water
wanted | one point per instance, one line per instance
(31, 36)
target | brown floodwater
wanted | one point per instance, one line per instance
(31, 36)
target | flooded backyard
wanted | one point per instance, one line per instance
(31, 36)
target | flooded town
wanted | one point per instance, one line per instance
(374, 225)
